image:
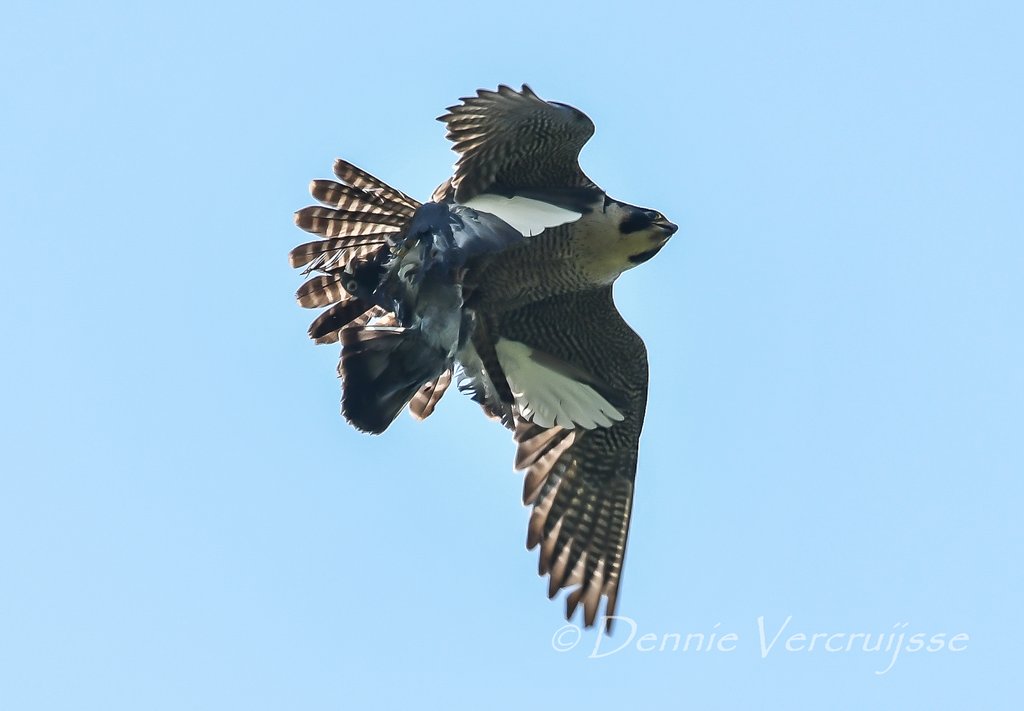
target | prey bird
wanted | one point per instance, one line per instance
(503, 282)
(417, 281)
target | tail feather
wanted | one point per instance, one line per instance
(382, 369)
(345, 197)
(310, 251)
(329, 222)
(358, 217)
(322, 291)
(423, 403)
(359, 178)
(327, 255)
(376, 314)
(336, 318)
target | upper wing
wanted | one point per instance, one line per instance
(580, 481)
(513, 143)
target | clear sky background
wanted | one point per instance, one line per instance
(836, 343)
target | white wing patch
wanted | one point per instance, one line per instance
(548, 398)
(529, 216)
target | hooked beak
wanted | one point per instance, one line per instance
(670, 228)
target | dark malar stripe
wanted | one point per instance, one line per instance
(644, 256)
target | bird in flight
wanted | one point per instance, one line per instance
(503, 283)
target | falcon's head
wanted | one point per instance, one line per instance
(620, 236)
(645, 232)
(641, 232)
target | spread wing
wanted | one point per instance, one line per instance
(580, 481)
(513, 143)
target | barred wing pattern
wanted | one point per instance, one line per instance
(580, 482)
(514, 143)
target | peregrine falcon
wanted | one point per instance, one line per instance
(503, 282)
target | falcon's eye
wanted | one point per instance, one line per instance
(637, 220)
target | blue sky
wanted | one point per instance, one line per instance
(835, 337)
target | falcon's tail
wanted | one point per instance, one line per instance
(356, 218)
(382, 368)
